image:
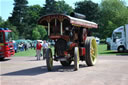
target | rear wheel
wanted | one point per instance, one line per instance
(91, 51)
(66, 63)
(76, 58)
(49, 59)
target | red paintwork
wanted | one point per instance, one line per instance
(65, 53)
(72, 45)
(7, 48)
(82, 51)
(5, 31)
(54, 37)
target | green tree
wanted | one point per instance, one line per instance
(7, 24)
(114, 13)
(39, 32)
(31, 18)
(63, 7)
(33, 14)
(50, 6)
(42, 32)
(42, 12)
(35, 34)
(92, 12)
(1, 20)
(89, 9)
(19, 12)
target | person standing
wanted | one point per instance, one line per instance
(25, 46)
(45, 46)
(38, 50)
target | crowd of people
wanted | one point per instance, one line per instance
(22, 46)
(39, 46)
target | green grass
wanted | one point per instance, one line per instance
(29, 52)
(102, 50)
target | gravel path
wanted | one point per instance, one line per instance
(109, 70)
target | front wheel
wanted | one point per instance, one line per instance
(91, 51)
(76, 58)
(49, 59)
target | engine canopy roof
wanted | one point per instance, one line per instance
(44, 20)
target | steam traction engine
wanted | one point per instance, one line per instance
(72, 43)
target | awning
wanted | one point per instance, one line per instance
(73, 21)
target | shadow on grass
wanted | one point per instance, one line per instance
(42, 70)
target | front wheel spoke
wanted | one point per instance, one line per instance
(93, 56)
(92, 51)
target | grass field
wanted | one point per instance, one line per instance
(102, 50)
(29, 52)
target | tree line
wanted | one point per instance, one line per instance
(109, 14)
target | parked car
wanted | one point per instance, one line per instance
(97, 40)
(52, 42)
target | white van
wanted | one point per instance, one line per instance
(119, 39)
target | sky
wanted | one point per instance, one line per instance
(6, 6)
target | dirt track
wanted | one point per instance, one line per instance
(109, 70)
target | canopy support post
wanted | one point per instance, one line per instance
(48, 28)
(61, 27)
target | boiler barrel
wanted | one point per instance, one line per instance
(77, 15)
